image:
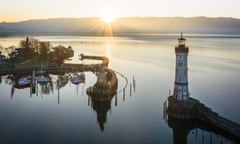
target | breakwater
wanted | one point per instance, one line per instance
(193, 109)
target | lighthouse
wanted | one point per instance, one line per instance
(181, 92)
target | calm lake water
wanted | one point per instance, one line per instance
(67, 115)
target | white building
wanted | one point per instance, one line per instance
(181, 91)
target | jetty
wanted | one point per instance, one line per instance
(107, 83)
(25, 68)
(193, 110)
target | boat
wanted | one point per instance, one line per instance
(23, 82)
(43, 80)
(77, 79)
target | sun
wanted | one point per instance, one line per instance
(108, 14)
(108, 18)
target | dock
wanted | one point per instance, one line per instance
(207, 115)
(24, 68)
(105, 60)
(193, 109)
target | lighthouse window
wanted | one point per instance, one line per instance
(180, 64)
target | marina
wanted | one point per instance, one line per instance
(128, 85)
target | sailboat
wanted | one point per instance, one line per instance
(43, 80)
(24, 81)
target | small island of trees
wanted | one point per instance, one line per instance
(34, 52)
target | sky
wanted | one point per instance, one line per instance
(19, 10)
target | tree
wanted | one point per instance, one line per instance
(44, 51)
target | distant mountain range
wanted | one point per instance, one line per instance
(122, 26)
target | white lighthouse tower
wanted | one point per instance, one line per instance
(181, 75)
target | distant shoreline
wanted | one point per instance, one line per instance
(129, 26)
(138, 17)
(137, 35)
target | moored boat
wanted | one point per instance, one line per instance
(43, 80)
(77, 79)
(23, 82)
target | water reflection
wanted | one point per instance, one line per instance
(41, 83)
(101, 108)
(195, 131)
(108, 50)
(45, 88)
(100, 94)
